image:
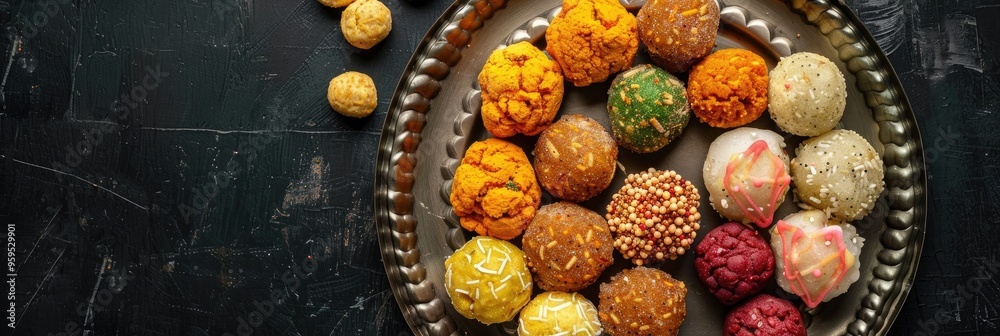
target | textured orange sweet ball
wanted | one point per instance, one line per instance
(592, 39)
(336, 3)
(522, 90)
(365, 23)
(352, 94)
(728, 88)
(494, 192)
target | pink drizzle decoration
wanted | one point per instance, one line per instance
(738, 172)
(791, 237)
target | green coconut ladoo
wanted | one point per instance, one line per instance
(648, 108)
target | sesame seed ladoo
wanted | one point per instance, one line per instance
(838, 172)
(654, 216)
(807, 94)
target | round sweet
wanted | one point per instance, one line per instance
(568, 246)
(487, 280)
(816, 258)
(678, 33)
(764, 315)
(352, 94)
(365, 23)
(575, 158)
(642, 301)
(806, 94)
(734, 262)
(558, 313)
(746, 175)
(728, 88)
(336, 3)
(494, 192)
(648, 108)
(654, 216)
(838, 172)
(592, 39)
(522, 90)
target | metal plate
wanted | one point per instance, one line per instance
(434, 116)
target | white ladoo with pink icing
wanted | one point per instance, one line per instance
(815, 258)
(746, 174)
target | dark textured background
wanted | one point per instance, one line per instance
(169, 163)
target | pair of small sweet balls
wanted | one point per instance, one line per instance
(364, 24)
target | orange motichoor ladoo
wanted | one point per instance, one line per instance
(728, 88)
(522, 91)
(495, 192)
(592, 39)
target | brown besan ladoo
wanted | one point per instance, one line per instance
(678, 32)
(642, 301)
(567, 247)
(575, 158)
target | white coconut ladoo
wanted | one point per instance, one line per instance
(806, 94)
(747, 175)
(838, 172)
(815, 258)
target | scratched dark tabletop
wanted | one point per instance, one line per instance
(172, 167)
